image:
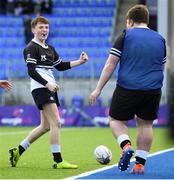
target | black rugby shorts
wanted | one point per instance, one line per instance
(43, 96)
(127, 103)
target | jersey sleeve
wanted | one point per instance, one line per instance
(116, 50)
(31, 60)
(35, 75)
(165, 54)
(30, 55)
(57, 58)
(59, 64)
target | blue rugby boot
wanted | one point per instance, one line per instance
(124, 162)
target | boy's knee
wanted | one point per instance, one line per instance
(56, 124)
(47, 129)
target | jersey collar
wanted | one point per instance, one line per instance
(37, 42)
(141, 27)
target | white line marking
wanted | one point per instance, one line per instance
(12, 133)
(8, 133)
(109, 167)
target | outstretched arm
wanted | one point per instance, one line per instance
(63, 66)
(107, 71)
(5, 84)
(83, 59)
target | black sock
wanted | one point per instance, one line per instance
(21, 149)
(57, 157)
(140, 160)
(124, 143)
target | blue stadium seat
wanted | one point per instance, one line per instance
(82, 32)
(77, 101)
(7, 21)
(11, 32)
(98, 102)
(3, 70)
(18, 70)
(83, 12)
(84, 3)
(79, 42)
(81, 22)
(12, 42)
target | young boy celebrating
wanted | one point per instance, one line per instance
(40, 59)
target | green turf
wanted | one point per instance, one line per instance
(78, 145)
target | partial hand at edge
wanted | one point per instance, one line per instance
(5, 84)
(93, 96)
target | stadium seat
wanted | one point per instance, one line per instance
(11, 21)
(77, 101)
(11, 32)
(3, 71)
(98, 102)
(83, 12)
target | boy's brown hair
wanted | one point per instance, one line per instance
(138, 14)
(39, 19)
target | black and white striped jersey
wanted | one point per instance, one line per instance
(40, 60)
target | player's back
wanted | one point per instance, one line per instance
(142, 58)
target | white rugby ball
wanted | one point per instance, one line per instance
(103, 154)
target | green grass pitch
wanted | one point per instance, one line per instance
(77, 146)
